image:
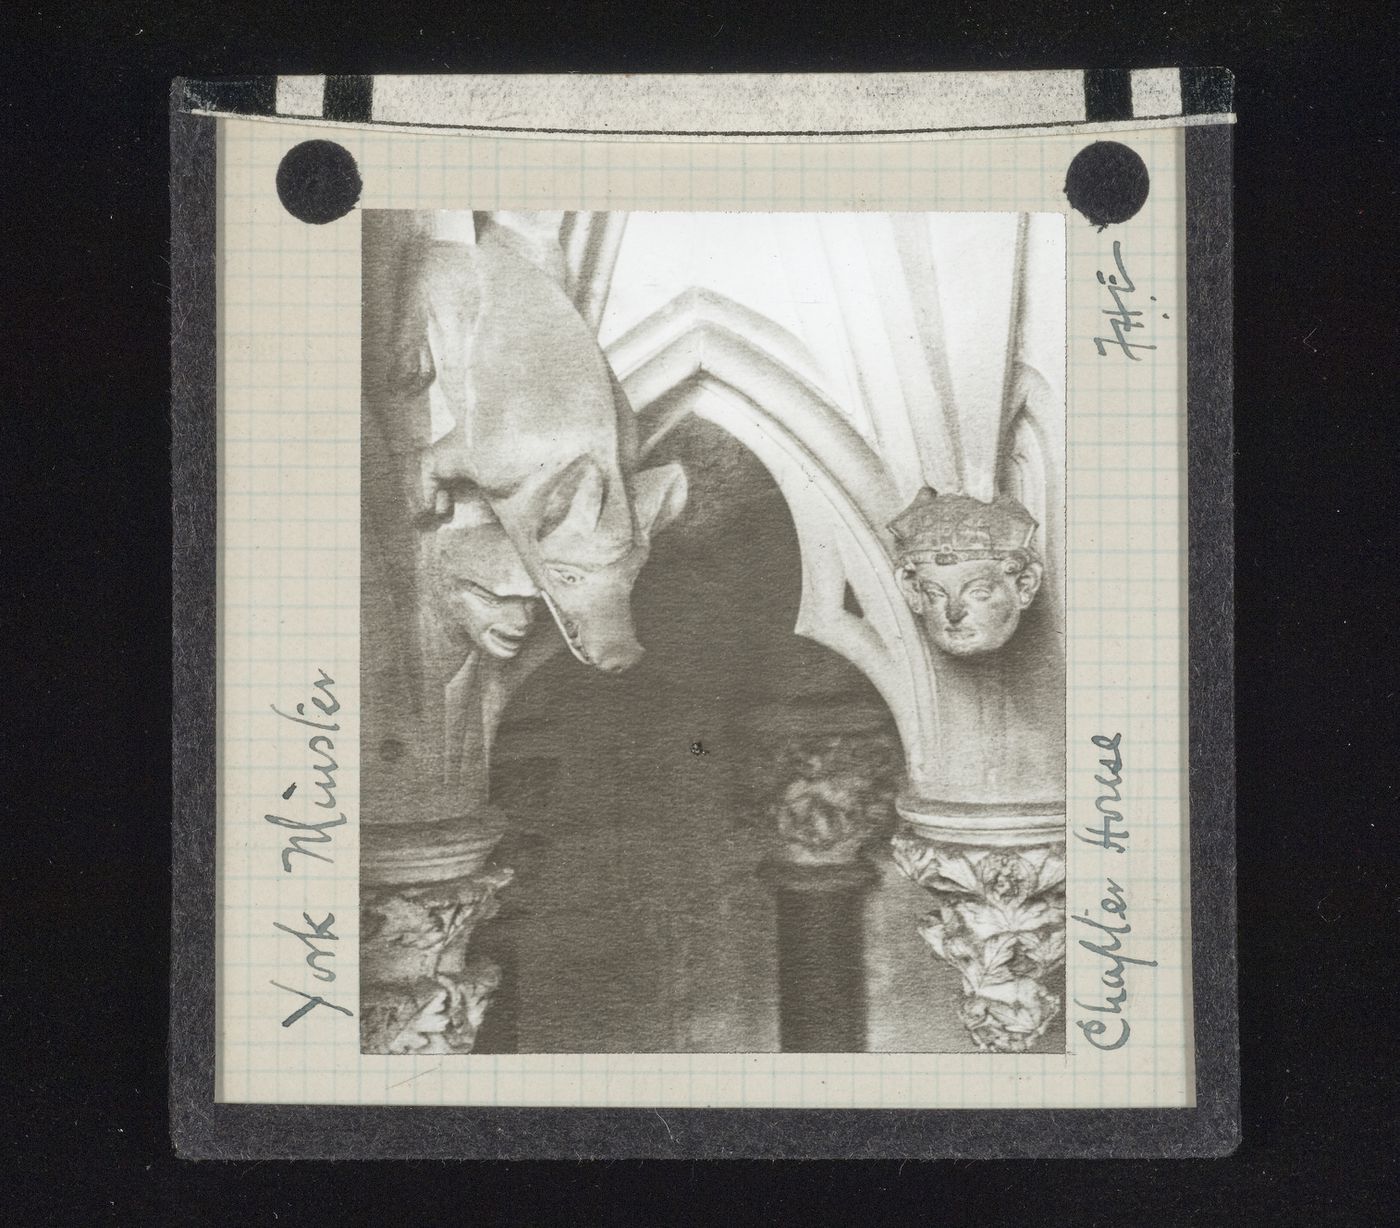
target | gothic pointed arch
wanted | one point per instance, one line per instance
(706, 355)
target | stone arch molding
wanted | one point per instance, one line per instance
(706, 355)
(1032, 453)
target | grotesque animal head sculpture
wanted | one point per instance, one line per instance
(967, 568)
(588, 569)
(525, 409)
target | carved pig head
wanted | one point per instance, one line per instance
(592, 540)
(527, 411)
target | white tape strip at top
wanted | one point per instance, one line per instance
(790, 106)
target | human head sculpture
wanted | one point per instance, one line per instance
(483, 591)
(967, 568)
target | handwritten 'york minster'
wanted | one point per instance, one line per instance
(323, 769)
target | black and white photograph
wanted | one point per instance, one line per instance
(733, 644)
(712, 620)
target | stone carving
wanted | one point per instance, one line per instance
(999, 920)
(526, 410)
(420, 993)
(967, 568)
(521, 480)
(831, 795)
(483, 593)
(441, 1014)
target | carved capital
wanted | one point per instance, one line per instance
(999, 919)
(830, 795)
(439, 1014)
(419, 991)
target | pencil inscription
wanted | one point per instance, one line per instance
(1111, 926)
(314, 933)
(323, 767)
(1111, 832)
(1123, 318)
(1107, 944)
(316, 936)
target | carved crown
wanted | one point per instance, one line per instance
(947, 529)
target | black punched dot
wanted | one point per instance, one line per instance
(1107, 183)
(318, 182)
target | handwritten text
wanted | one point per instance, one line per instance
(1107, 944)
(316, 937)
(1123, 318)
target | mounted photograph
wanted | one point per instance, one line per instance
(720, 639)
(712, 625)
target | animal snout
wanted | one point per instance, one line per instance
(616, 663)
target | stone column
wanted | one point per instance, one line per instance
(821, 975)
(433, 690)
(428, 704)
(427, 882)
(986, 837)
(997, 885)
(983, 813)
(831, 798)
(422, 896)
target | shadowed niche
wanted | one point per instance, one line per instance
(644, 917)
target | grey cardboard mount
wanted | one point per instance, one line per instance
(204, 1129)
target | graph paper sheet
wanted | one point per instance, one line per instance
(702, 587)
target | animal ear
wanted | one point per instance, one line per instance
(659, 495)
(574, 501)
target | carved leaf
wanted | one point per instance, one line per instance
(950, 939)
(820, 814)
(986, 918)
(1046, 949)
(997, 955)
(1051, 872)
(1011, 1017)
(915, 858)
(408, 923)
(950, 872)
(935, 933)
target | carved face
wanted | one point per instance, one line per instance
(591, 546)
(970, 607)
(483, 589)
(524, 408)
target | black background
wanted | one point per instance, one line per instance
(85, 416)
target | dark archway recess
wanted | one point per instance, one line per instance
(653, 909)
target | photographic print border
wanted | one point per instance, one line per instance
(205, 1129)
